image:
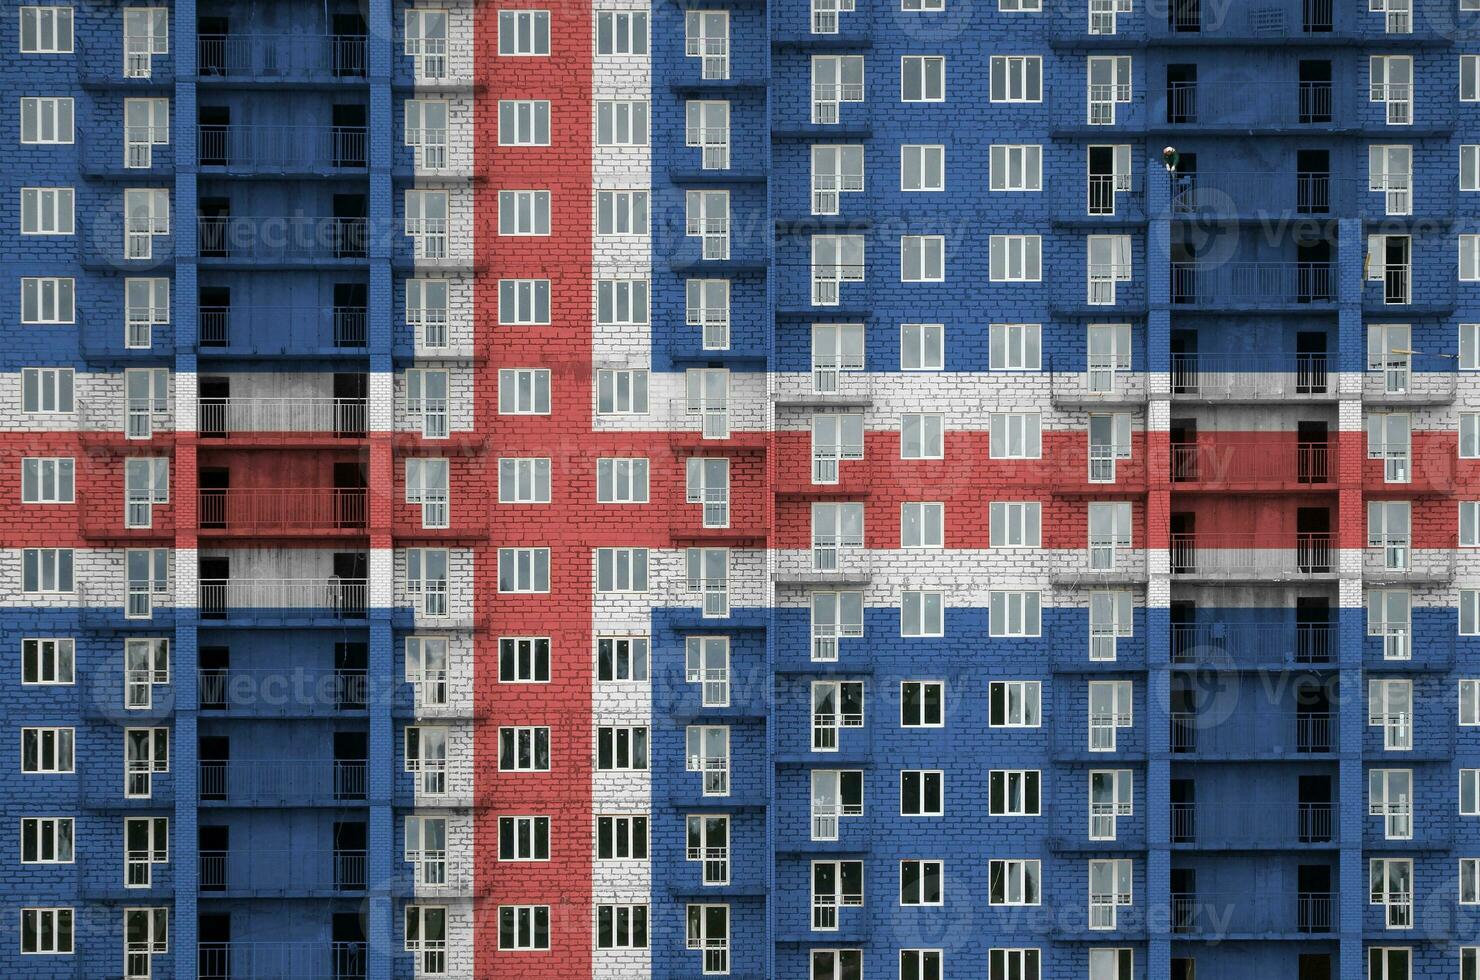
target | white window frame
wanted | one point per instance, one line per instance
(915, 71)
(51, 211)
(47, 841)
(523, 213)
(48, 480)
(54, 659)
(523, 122)
(915, 351)
(1022, 704)
(621, 391)
(1025, 606)
(1021, 792)
(524, 33)
(1015, 524)
(1015, 167)
(927, 163)
(48, 29)
(1016, 258)
(524, 391)
(622, 213)
(621, 122)
(524, 480)
(921, 613)
(1016, 78)
(48, 118)
(621, 34)
(927, 718)
(622, 480)
(526, 831)
(517, 737)
(48, 300)
(1022, 881)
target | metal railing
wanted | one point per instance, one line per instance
(1231, 193)
(282, 238)
(283, 510)
(1253, 555)
(245, 960)
(1258, 284)
(1220, 913)
(303, 780)
(1248, 104)
(225, 417)
(1253, 644)
(1251, 376)
(1251, 462)
(1254, 733)
(1222, 824)
(282, 871)
(336, 596)
(313, 328)
(282, 57)
(282, 147)
(282, 691)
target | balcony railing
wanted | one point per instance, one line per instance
(1254, 556)
(1097, 384)
(1248, 105)
(344, 597)
(283, 781)
(223, 418)
(1396, 560)
(1107, 562)
(282, 57)
(282, 148)
(292, 872)
(1232, 377)
(1263, 19)
(1253, 733)
(282, 329)
(241, 960)
(282, 238)
(1253, 284)
(266, 511)
(1262, 824)
(1232, 194)
(287, 690)
(1227, 463)
(1253, 644)
(1214, 914)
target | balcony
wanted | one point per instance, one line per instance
(1399, 384)
(1261, 194)
(1244, 645)
(1099, 564)
(319, 512)
(825, 564)
(282, 240)
(843, 384)
(1244, 106)
(121, 421)
(105, 517)
(1218, 916)
(1251, 377)
(276, 421)
(264, 601)
(1101, 199)
(299, 58)
(1255, 556)
(1253, 285)
(1253, 734)
(283, 782)
(268, 873)
(298, 960)
(283, 331)
(288, 691)
(286, 150)
(1251, 826)
(1263, 464)
(1263, 21)
(1397, 561)
(1097, 386)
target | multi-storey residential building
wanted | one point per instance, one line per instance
(800, 489)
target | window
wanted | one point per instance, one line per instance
(146, 32)
(146, 304)
(707, 664)
(1112, 964)
(1469, 435)
(707, 483)
(46, 211)
(1015, 704)
(48, 661)
(1469, 792)
(835, 79)
(621, 122)
(922, 167)
(621, 569)
(621, 301)
(621, 926)
(1389, 963)
(621, 747)
(836, 170)
(426, 758)
(1013, 882)
(1017, 167)
(46, 30)
(835, 436)
(46, 840)
(1014, 792)
(834, 884)
(1469, 702)
(922, 437)
(427, 487)
(1017, 78)
(1469, 258)
(1390, 707)
(46, 120)
(1469, 78)
(707, 751)
(524, 838)
(1469, 881)
(524, 659)
(1016, 258)
(837, 349)
(835, 705)
(46, 390)
(622, 658)
(426, 133)
(46, 931)
(922, 704)
(426, 43)
(922, 6)
(622, 481)
(1109, 81)
(921, 793)
(1110, 797)
(146, 124)
(1016, 524)
(524, 569)
(1109, 888)
(523, 481)
(1015, 435)
(146, 482)
(835, 794)
(1469, 346)
(524, 212)
(1110, 709)
(46, 570)
(1013, 613)
(1390, 172)
(426, 669)
(146, 663)
(1013, 964)
(922, 525)
(923, 964)
(920, 882)
(1469, 167)
(922, 346)
(47, 300)
(708, 219)
(622, 33)
(426, 937)
(1111, 615)
(146, 214)
(921, 613)
(922, 258)
(836, 259)
(1392, 888)
(146, 751)
(426, 849)
(147, 574)
(427, 580)
(1392, 84)
(621, 392)
(621, 212)
(523, 122)
(144, 934)
(707, 37)
(922, 78)
(622, 838)
(46, 480)
(1109, 534)
(707, 395)
(837, 964)
(835, 615)
(523, 749)
(1469, 613)
(1109, 261)
(146, 842)
(707, 126)
(709, 930)
(1016, 347)
(524, 33)
(1390, 796)
(426, 223)
(524, 391)
(1469, 956)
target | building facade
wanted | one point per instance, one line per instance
(801, 489)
